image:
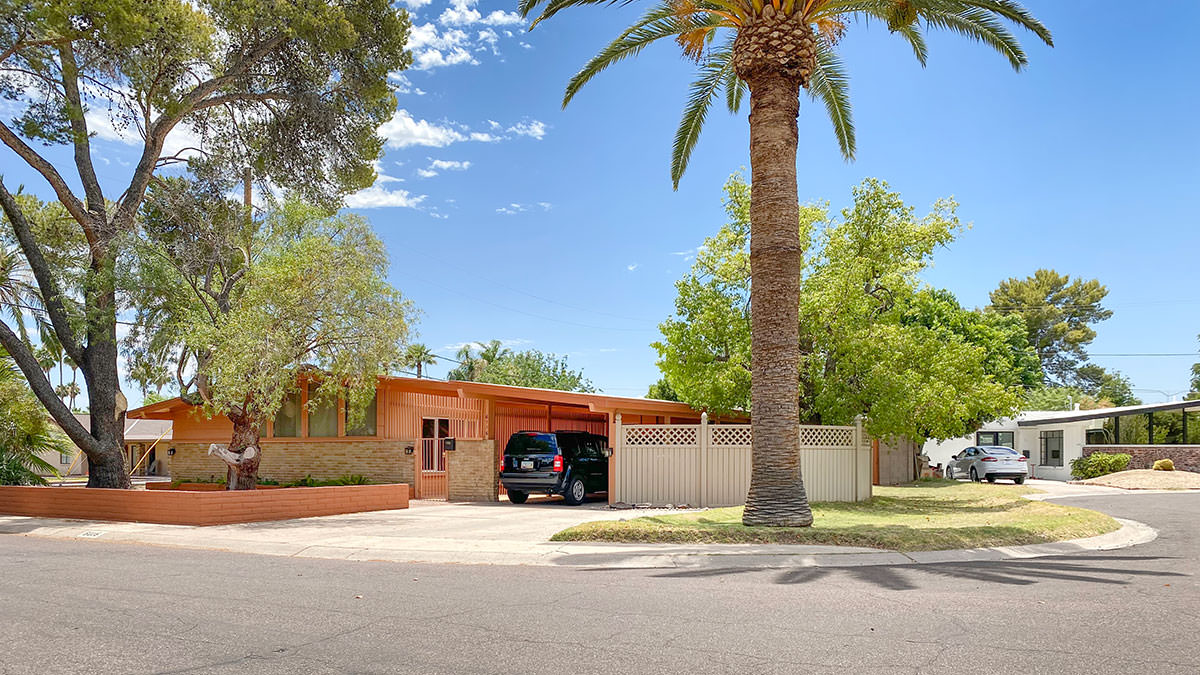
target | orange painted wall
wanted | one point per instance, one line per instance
(178, 507)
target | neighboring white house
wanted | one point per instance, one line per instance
(1052, 438)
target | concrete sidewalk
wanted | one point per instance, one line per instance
(503, 534)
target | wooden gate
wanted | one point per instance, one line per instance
(432, 476)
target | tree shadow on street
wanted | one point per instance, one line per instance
(1024, 572)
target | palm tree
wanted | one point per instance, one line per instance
(18, 293)
(418, 356)
(773, 49)
(25, 431)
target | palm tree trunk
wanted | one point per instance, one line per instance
(777, 495)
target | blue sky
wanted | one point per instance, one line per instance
(510, 218)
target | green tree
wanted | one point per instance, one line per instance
(293, 90)
(875, 343)
(1105, 386)
(418, 356)
(494, 363)
(244, 311)
(1058, 314)
(25, 433)
(774, 50)
(662, 391)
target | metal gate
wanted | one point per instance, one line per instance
(433, 469)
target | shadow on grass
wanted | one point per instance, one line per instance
(1078, 569)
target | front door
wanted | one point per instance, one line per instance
(431, 482)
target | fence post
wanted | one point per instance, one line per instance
(858, 434)
(614, 476)
(702, 443)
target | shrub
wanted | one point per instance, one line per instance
(1164, 465)
(1099, 464)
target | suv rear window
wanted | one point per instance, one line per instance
(531, 444)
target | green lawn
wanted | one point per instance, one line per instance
(926, 516)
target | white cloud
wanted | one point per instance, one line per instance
(426, 173)
(463, 13)
(403, 131)
(182, 139)
(432, 48)
(485, 137)
(515, 207)
(450, 165)
(631, 267)
(403, 85)
(415, 4)
(376, 197)
(530, 128)
(500, 18)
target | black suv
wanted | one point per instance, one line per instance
(567, 463)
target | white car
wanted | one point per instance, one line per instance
(989, 462)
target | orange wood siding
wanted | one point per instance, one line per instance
(405, 409)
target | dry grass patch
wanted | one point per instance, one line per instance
(1148, 479)
(926, 516)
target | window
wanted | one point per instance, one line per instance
(322, 418)
(366, 424)
(64, 458)
(998, 438)
(287, 420)
(1097, 437)
(1051, 443)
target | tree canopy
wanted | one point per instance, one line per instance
(493, 363)
(291, 91)
(1059, 314)
(241, 310)
(874, 342)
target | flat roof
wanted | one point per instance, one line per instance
(1035, 418)
(500, 392)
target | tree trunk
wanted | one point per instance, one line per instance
(777, 495)
(107, 467)
(243, 454)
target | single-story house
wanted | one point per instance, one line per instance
(402, 436)
(1052, 438)
(147, 443)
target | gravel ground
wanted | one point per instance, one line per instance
(1148, 479)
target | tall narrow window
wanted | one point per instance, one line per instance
(1051, 443)
(287, 420)
(322, 418)
(366, 422)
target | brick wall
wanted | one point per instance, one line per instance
(471, 471)
(1186, 457)
(382, 461)
(177, 507)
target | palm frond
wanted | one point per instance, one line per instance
(829, 84)
(713, 75)
(660, 22)
(735, 89)
(977, 24)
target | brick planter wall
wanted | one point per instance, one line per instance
(471, 472)
(382, 461)
(1186, 457)
(179, 507)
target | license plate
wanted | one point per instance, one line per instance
(527, 464)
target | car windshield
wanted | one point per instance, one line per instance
(531, 443)
(1000, 451)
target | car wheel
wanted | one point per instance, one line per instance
(950, 473)
(575, 492)
(974, 475)
(991, 479)
(1019, 480)
(517, 497)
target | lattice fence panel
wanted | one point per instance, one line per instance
(661, 435)
(827, 437)
(730, 434)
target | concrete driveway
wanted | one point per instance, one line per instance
(480, 532)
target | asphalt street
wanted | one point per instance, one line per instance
(92, 607)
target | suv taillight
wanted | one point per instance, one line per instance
(501, 465)
(557, 463)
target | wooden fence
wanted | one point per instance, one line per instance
(709, 464)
